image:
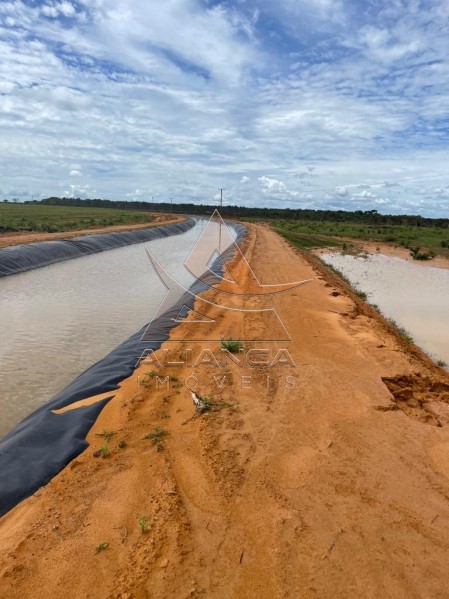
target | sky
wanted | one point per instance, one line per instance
(325, 104)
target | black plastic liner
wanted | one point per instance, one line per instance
(21, 258)
(43, 443)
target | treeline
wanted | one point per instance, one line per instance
(371, 217)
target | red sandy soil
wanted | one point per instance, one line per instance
(18, 238)
(336, 488)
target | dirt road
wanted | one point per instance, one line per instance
(337, 487)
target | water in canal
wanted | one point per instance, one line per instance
(58, 320)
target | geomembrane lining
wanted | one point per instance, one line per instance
(20, 258)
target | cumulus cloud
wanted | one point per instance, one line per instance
(275, 188)
(366, 194)
(57, 9)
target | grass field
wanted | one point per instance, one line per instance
(53, 219)
(314, 234)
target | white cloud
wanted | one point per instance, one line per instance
(56, 9)
(277, 189)
(365, 194)
(270, 184)
(49, 11)
(67, 9)
(183, 97)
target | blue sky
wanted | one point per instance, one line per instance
(302, 103)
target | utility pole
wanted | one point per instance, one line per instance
(219, 230)
(171, 204)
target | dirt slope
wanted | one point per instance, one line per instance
(336, 488)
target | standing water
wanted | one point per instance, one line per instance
(416, 297)
(58, 320)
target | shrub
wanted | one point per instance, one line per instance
(231, 345)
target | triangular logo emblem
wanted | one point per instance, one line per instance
(183, 316)
(217, 260)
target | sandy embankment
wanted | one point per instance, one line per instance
(18, 238)
(327, 490)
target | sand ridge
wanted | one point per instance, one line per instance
(324, 490)
(24, 237)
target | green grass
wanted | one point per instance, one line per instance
(54, 219)
(231, 345)
(144, 524)
(101, 546)
(157, 437)
(107, 435)
(306, 241)
(315, 234)
(403, 333)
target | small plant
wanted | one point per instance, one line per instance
(122, 444)
(206, 404)
(416, 254)
(104, 450)
(165, 415)
(405, 336)
(361, 294)
(231, 345)
(101, 546)
(157, 437)
(144, 524)
(146, 379)
(441, 364)
(107, 435)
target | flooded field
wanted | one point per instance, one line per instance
(416, 297)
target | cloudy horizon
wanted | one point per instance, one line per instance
(325, 104)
